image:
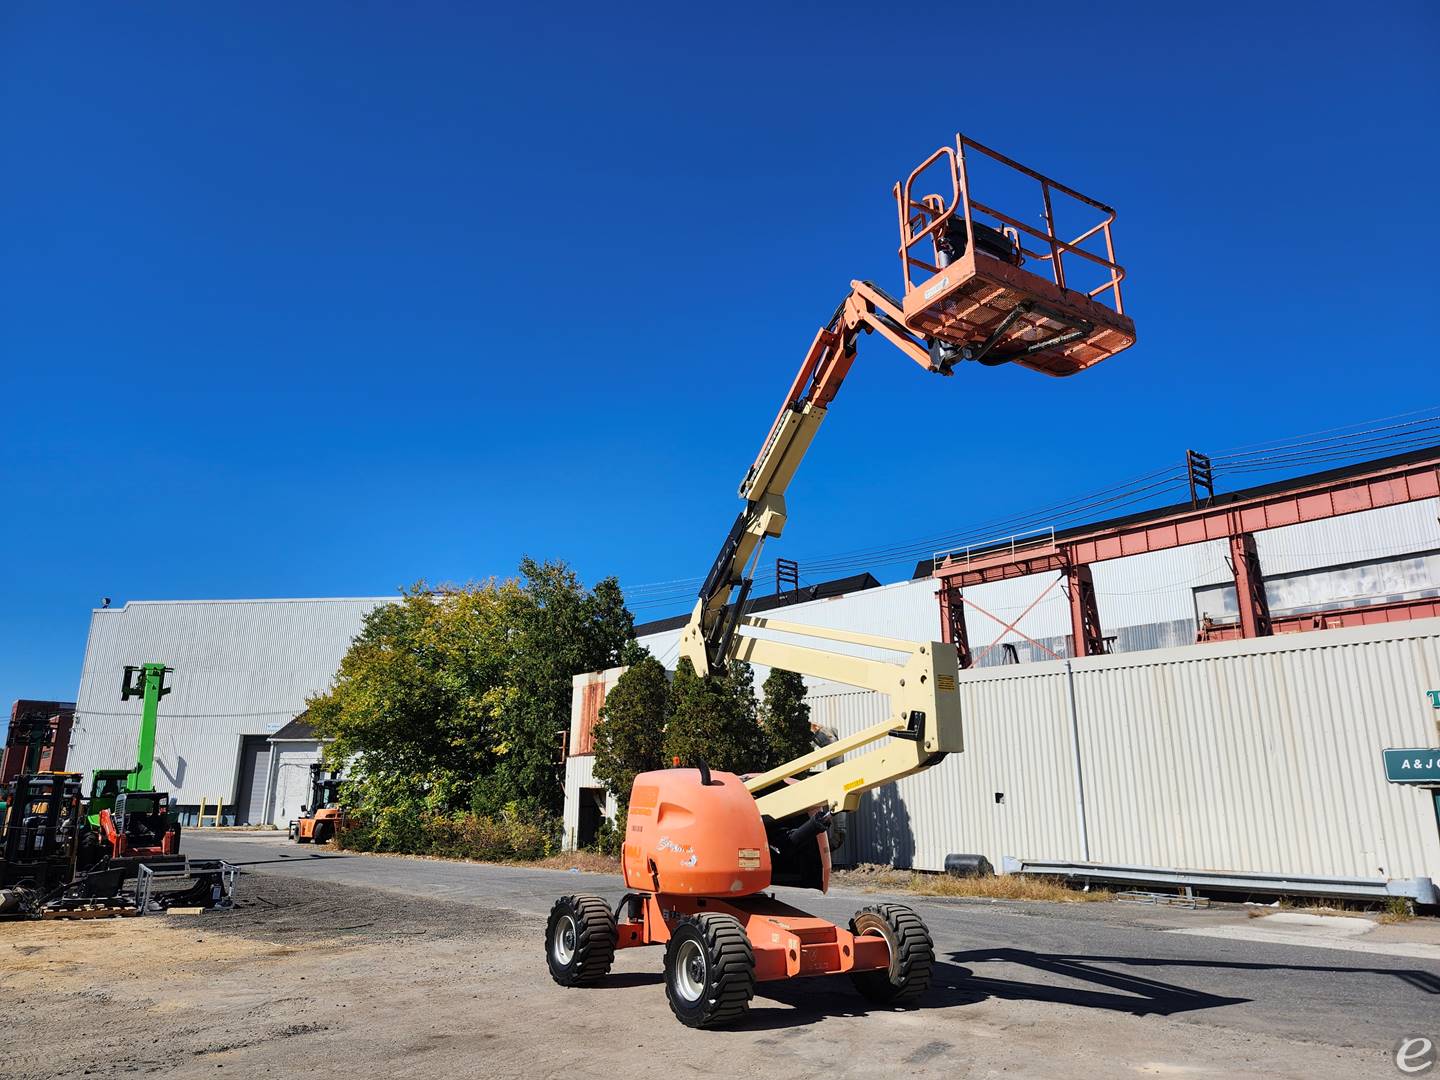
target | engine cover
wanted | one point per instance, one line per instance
(687, 836)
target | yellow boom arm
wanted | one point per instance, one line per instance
(920, 679)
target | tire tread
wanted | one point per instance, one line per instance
(730, 963)
(914, 950)
(595, 938)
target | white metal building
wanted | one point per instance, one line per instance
(1205, 762)
(1245, 765)
(1189, 753)
(243, 670)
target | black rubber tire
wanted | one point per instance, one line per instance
(911, 954)
(584, 957)
(728, 976)
(324, 832)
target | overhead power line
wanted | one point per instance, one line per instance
(1305, 452)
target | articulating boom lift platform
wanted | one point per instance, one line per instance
(702, 847)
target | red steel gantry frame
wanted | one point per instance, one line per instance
(1235, 519)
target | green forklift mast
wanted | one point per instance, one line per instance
(145, 681)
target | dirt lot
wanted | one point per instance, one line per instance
(315, 979)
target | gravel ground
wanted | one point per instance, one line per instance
(312, 978)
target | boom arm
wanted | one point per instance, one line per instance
(709, 638)
(146, 681)
(925, 723)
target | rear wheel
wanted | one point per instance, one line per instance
(709, 971)
(911, 954)
(580, 940)
(324, 832)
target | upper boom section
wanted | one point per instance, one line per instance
(969, 296)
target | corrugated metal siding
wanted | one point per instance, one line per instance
(1372, 534)
(1259, 756)
(241, 667)
(952, 807)
(580, 774)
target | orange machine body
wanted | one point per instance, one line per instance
(333, 816)
(121, 845)
(685, 837)
(695, 843)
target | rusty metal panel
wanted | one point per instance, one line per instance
(587, 695)
(1311, 500)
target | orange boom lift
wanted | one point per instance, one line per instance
(701, 849)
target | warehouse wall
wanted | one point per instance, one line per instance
(242, 667)
(1255, 756)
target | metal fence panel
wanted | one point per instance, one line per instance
(1259, 756)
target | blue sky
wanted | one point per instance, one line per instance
(323, 299)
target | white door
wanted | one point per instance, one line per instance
(292, 781)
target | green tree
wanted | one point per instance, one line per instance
(630, 737)
(556, 629)
(714, 719)
(785, 717)
(454, 699)
(415, 700)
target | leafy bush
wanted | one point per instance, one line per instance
(507, 837)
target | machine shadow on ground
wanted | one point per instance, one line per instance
(288, 860)
(813, 1000)
(1078, 967)
(954, 985)
(809, 1001)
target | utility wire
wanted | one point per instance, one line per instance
(1365, 439)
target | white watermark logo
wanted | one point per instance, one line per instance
(1415, 1055)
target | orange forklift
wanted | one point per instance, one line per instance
(323, 816)
(983, 287)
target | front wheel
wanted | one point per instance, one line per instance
(709, 971)
(911, 954)
(580, 940)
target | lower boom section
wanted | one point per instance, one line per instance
(717, 950)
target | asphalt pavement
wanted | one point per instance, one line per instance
(1308, 981)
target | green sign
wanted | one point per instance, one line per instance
(1413, 766)
(1434, 696)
